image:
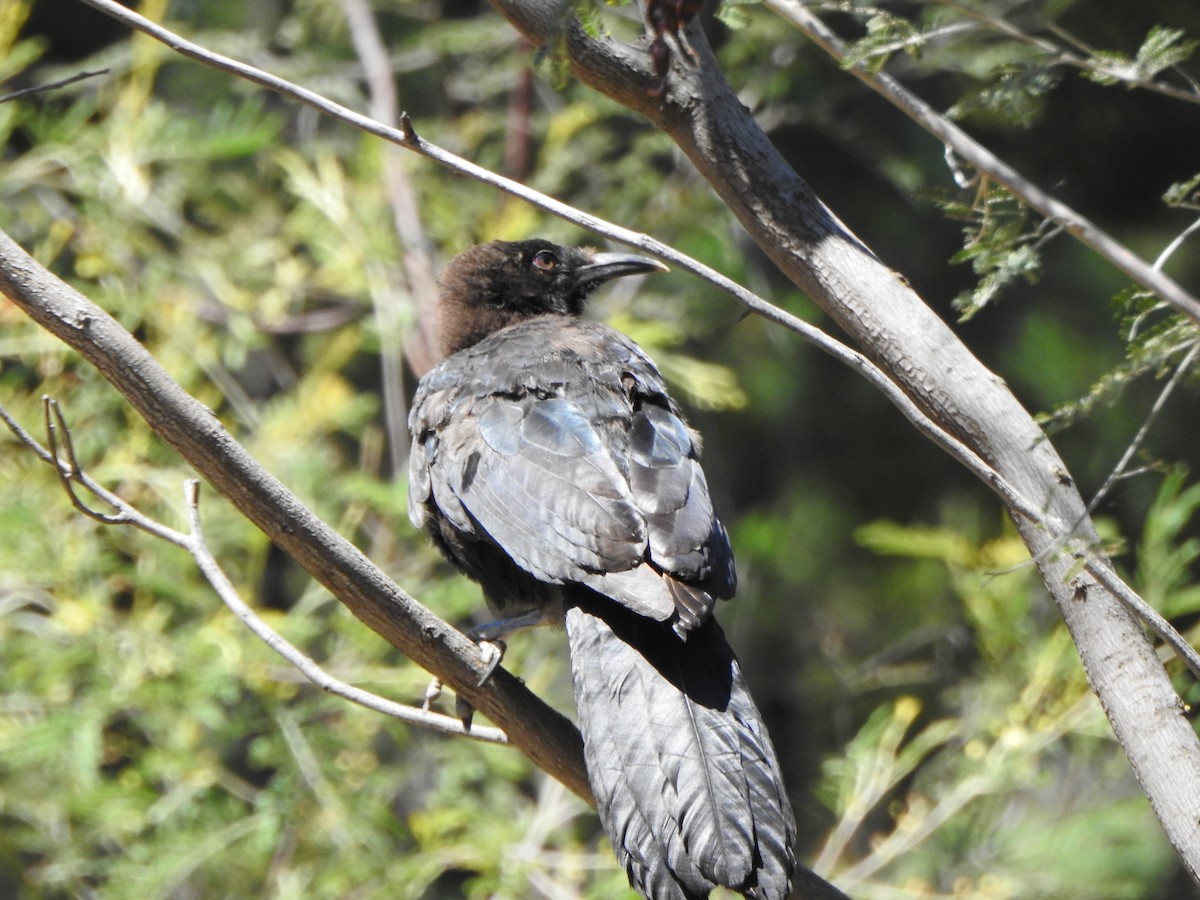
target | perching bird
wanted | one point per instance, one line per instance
(550, 465)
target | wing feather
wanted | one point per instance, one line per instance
(570, 457)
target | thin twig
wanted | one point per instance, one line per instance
(416, 255)
(70, 469)
(1175, 244)
(1119, 471)
(26, 438)
(50, 86)
(306, 666)
(1108, 577)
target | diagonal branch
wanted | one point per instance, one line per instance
(200, 552)
(877, 308)
(542, 733)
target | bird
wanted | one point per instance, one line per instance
(550, 464)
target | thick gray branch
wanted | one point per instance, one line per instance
(894, 327)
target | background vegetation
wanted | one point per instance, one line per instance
(937, 734)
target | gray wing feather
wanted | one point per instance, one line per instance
(419, 489)
(668, 484)
(572, 459)
(535, 476)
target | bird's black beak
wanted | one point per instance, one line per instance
(604, 266)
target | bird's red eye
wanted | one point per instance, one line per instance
(545, 260)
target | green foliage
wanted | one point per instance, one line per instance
(1158, 343)
(1167, 553)
(886, 33)
(1183, 193)
(735, 13)
(978, 799)
(1014, 96)
(1001, 244)
(707, 385)
(1162, 49)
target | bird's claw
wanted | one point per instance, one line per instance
(464, 711)
(492, 652)
(432, 692)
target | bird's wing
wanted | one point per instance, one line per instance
(575, 464)
(504, 462)
(685, 537)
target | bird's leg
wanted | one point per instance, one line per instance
(685, 11)
(488, 637)
(665, 23)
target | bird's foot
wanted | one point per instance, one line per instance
(463, 710)
(491, 652)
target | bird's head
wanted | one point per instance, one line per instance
(494, 285)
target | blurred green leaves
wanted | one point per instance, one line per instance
(1168, 551)
(1005, 768)
(1163, 48)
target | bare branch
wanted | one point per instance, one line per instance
(73, 472)
(1104, 573)
(26, 438)
(1175, 244)
(70, 469)
(216, 576)
(543, 734)
(1120, 469)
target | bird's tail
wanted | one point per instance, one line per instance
(686, 780)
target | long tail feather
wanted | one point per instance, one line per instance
(684, 774)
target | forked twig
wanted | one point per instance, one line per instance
(70, 473)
